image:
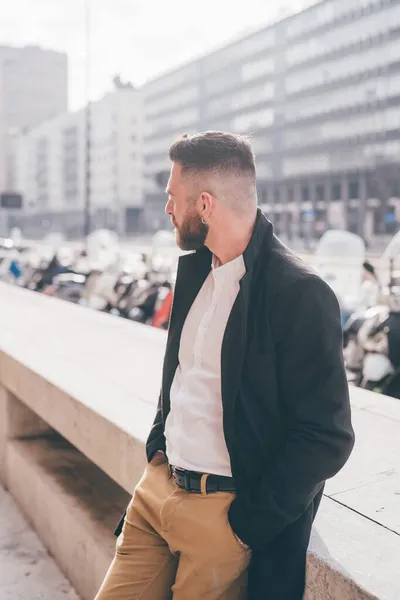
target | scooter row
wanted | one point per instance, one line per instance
(372, 344)
(370, 305)
(145, 298)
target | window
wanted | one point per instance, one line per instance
(306, 21)
(236, 52)
(390, 149)
(257, 68)
(333, 70)
(362, 93)
(253, 121)
(304, 165)
(180, 119)
(352, 33)
(264, 171)
(171, 100)
(325, 13)
(239, 99)
(320, 193)
(261, 145)
(351, 127)
(255, 95)
(262, 195)
(223, 81)
(353, 190)
(172, 81)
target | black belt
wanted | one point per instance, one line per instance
(198, 483)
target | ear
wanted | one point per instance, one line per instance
(205, 204)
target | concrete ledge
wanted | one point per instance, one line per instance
(71, 503)
(351, 558)
(54, 354)
(94, 379)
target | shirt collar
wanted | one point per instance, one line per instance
(234, 269)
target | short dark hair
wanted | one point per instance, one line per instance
(214, 151)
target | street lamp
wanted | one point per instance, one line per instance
(87, 129)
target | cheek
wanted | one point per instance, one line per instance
(179, 214)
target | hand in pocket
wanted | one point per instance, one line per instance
(159, 458)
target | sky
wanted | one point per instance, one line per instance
(138, 39)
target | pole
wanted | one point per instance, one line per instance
(87, 128)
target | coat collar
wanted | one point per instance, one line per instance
(262, 233)
(193, 270)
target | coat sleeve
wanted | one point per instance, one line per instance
(156, 439)
(313, 392)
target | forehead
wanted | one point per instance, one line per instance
(175, 177)
(181, 182)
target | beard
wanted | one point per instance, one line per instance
(192, 234)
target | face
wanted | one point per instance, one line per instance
(182, 207)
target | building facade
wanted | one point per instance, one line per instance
(33, 87)
(319, 92)
(52, 168)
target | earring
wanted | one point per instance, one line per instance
(203, 221)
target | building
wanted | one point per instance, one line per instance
(33, 87)
(51, 166)
(48, 170)
(319, 91)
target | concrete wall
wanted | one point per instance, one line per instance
(78, 391)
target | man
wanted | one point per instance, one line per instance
(254, 412)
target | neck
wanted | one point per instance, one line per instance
(231, 240)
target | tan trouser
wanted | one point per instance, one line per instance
(176, 544)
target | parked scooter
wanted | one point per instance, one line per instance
(44, 275)
(340, 260)
(372, 343)
(143, 301)
(163, 306)
(124, 289)
(67, 286)
(147, 300)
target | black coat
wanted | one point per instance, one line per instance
(286, 409)
(285, 401)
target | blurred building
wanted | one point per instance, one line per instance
(50, 165)
(33, 87)
(320, 93)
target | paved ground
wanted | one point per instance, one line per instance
(27, 572)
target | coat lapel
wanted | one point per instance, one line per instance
(193, 270)
(233, 351)
(235, 338)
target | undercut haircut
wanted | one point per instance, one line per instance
(214, 151)
(220, 163)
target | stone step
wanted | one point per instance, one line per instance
(72, 505)
(27, 571)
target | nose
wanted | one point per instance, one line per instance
(168, 208)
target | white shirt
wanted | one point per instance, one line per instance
(194, 427)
